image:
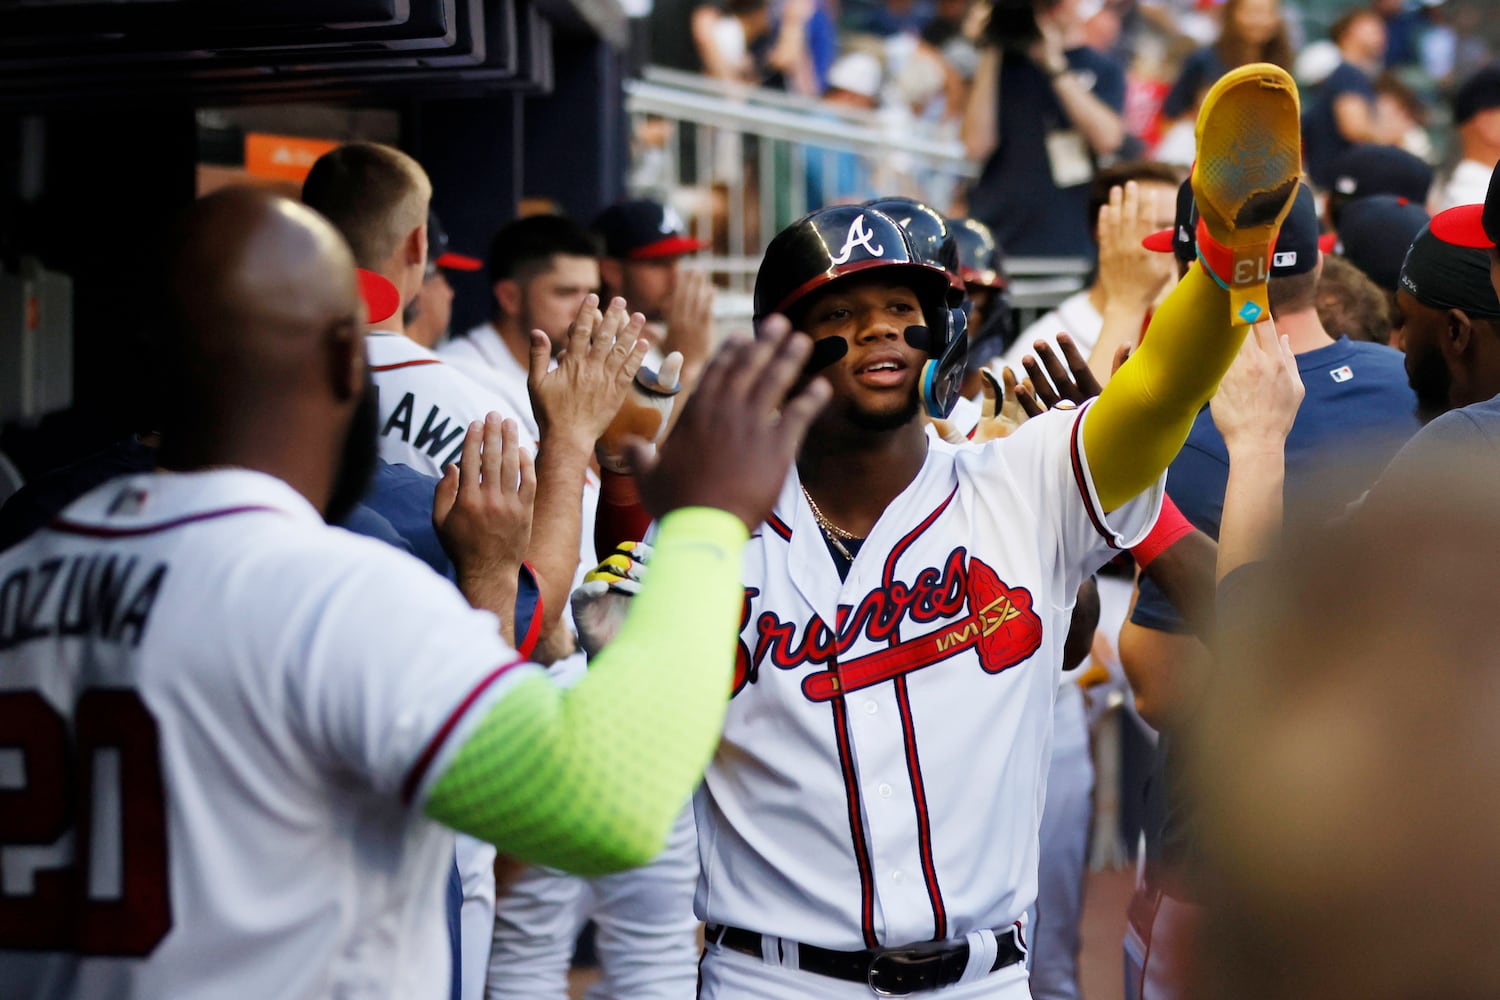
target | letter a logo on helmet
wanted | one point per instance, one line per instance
(859, 236)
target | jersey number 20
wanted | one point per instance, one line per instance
(104, 788)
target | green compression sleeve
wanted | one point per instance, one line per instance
(1140, 420)
(590, 779)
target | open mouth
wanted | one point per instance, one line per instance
(881, 372)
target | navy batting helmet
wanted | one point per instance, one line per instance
(837, 242)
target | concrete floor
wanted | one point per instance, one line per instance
(1100, 966)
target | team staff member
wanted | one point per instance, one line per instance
(427, 316)
(906, 602)
(295, 710)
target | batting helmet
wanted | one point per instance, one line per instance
(802, 260)
(979, 260)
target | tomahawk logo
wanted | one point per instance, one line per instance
(858, 236)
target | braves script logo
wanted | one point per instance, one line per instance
(859, 236)
(1000, 625)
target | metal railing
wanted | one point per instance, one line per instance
(740, 163)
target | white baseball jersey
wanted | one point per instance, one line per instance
(482, 355)
(254, 705)
(426, 405)
(882, 772)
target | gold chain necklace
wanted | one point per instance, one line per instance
(830, 530)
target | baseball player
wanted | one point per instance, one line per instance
(239, 733)
(870, 818)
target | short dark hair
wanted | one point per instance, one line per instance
(1351, 304)
(1293, 292)
(1140, 171)
(1340, 27)
(524, 248)
(374, 195)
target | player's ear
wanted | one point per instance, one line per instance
(1460, 331)
(508, 296)
(344, 348)
(414, 247)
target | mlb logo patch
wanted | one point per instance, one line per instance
(128, 502)
(1286, 259)
(1343, 373)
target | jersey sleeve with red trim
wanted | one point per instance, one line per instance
(1045, 468)
(394, 663)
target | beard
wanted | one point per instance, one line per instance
(1432, 383)
(887, 420)
(357, 457)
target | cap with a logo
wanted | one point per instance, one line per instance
(1480, 92)
(438, 254)
(1374, 234)
(1296, 249)
(1441, 275)
(644, 230)
(1476, 226)
(1371, 169)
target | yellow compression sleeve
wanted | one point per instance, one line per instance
(590, 779)
(1139, 422)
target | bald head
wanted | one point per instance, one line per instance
(257, 280)
(1349, 766)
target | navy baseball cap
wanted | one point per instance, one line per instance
(644, 230)
(1443, 276)
(1474, 226)
(1480, 92)
(1372, 169)
(1375, 233)
(1296, 245)
(438, 254)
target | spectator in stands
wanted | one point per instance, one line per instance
(1476, 117)
(1341, 111)
(1351, 305)
(748, 44)
(1402, 115)
(540, 268)
(427, 316)
(1081, 315)
(1253, 31)
(1043, 112)
(1369, 169)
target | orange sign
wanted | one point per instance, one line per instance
(282, 157)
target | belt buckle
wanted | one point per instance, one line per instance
(906, 959)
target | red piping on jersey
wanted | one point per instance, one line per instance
(405, 364)
(856, 823)
(909, 738)
(534, 627)
(888, 575)
(780, 527)
(414, 776)
(924, 822)
(100, 531)
(1096, 517)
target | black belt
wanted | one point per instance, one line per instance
(890, 972)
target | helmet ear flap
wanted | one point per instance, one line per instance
(942, 378)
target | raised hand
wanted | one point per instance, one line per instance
(482, 510)
(1130, 275)
(739, 434)
(1073, 382)
(577, 400)
(690, 324)
(1259, 395)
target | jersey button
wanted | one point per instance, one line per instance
(897, 876)
(871, 708)
(885, 791)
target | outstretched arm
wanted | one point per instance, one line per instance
(1143, 416)
(590, 779)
